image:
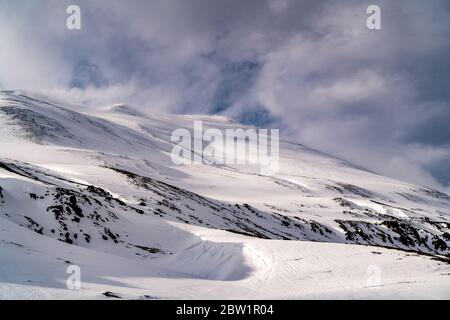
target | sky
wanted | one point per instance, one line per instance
(379, 98)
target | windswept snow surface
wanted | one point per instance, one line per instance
(97, 189)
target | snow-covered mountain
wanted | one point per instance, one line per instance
(98, 189)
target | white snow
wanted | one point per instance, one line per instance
(66, 150)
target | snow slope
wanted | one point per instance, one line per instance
(98, 189)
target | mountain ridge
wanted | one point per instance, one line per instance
(104, 181)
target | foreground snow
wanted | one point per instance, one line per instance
(218, 265)
(98, 190)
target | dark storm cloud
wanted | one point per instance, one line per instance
(236, 80)
(434, 129)
(379, 98)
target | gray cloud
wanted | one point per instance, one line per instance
(378, 98)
